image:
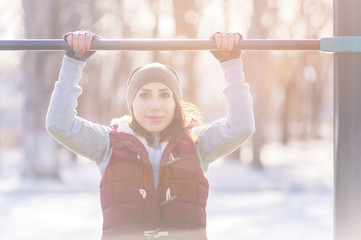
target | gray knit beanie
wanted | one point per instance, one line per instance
(153, 72)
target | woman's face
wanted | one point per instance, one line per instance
(154, 107)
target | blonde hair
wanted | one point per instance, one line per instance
(192, 114)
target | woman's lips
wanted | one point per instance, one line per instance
(155, 118)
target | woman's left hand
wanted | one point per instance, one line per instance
(226, 42)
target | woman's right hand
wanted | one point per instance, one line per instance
(81, 42)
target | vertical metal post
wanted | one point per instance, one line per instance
(347, 126)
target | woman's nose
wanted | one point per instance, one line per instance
(154, 104)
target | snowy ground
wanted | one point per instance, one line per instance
(292, 198)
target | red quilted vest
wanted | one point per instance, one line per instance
(134, 209)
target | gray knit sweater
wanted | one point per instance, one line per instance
(92, 140)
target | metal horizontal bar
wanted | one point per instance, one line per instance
(159, 44)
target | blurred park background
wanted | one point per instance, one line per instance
(277, 185)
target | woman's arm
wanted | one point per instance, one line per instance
(227, 134)
(79, 135)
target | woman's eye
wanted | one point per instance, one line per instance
(144, 95)
(165, 95)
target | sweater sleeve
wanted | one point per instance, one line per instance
(77, 134)
(223, 136)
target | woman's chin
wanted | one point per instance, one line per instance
(154, 128)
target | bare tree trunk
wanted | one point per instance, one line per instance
(40, 70)
(319, 86)
(119, 84)
(256, 63)
(288, 106)
(155, 5)
(185, 26)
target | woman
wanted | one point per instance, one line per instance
(153, 161)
